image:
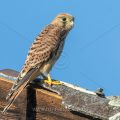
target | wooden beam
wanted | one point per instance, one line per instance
(34, 104)
(58, 102)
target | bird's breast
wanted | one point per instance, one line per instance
(49, 64)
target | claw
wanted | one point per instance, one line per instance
(50, 82)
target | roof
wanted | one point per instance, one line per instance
(57, 102)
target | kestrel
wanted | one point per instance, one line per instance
(43, 54)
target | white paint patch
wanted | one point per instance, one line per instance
(114, 101)
(8, 77)
(78, 88)
(115, 117)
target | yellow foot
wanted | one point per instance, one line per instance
(50, 82)
(53, 82)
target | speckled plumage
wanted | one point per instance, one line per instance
(45, 48)
(43, 54)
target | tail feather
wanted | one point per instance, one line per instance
(12, 89)
(13, 98)
(18, 88)
(19, 82)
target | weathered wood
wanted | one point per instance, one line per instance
(35, 104)
(58, 102)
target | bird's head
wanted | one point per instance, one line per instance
(64, 20)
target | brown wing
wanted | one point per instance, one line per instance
(41, 51)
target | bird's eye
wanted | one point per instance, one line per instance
(64, 19)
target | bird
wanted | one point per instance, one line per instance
(43, 54)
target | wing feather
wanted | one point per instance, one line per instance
(41, 51)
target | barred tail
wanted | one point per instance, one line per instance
(18, 87)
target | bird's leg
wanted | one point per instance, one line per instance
(49, 81)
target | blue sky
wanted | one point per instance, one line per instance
(91, 58)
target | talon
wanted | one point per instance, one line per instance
(50, 82)
(56, 83)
